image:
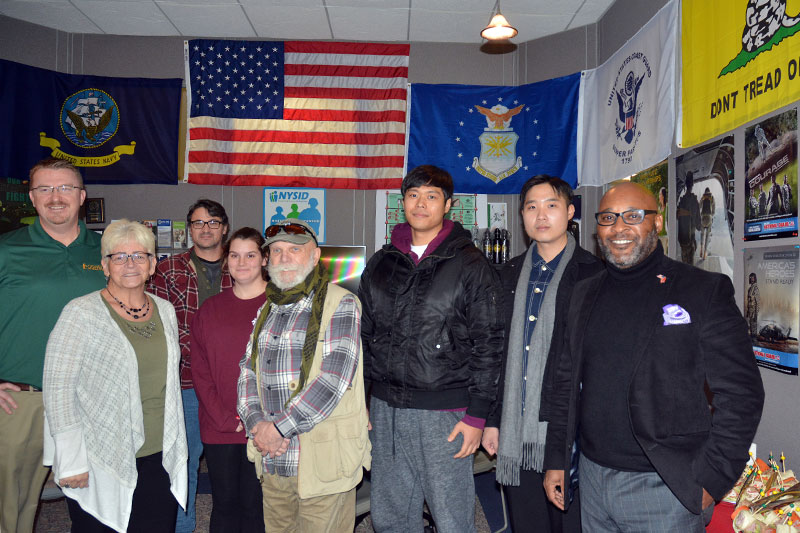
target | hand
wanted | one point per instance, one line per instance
(491, 440)
(7, 403)
(554, 487)
(268, 440)
(239, 427)
(369, 422)
(472, 439)
(81, 481)
(708, 499)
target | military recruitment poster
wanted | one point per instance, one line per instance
(770, 162)
(743, 63)
(771, 305)
(704, 213)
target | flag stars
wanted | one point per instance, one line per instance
(258, 49)
(196, 48)
(538, 137)
(535, 121)
(258, 107)
(499, 98)
(535, 154)
(458, 139)
(460, 155)
(250, 56)
(525, 167)
(227, 48)
(483, 102)
(202, 54)
(274, 107)
(211, 48)
(470, 110)
(516, 102)
(227, 106)
(274, 49)
(467, 168)
(235, 100)
(460, 122)
(243, 49)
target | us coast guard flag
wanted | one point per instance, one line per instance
(118, 130)
(492, 139)
(627, 112)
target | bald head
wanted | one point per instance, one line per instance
(626, 244)
(634, 195)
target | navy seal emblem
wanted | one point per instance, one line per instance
(89, 118)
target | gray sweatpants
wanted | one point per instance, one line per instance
(412, 462)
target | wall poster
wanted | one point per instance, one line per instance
(771, 306)
(293, 202)
(705, 191)
(770, 162)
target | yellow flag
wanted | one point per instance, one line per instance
(740, 59)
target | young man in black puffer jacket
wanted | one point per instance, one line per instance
(433, 338)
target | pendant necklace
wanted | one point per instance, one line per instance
(132, 311)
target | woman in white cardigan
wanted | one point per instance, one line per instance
(112, 399)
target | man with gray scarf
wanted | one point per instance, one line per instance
(537, 287)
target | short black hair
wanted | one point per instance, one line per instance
(431, 176)
(561, 187)
(214, 209)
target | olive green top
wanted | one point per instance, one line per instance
(150, 344)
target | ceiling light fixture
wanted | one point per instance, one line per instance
(498, 28)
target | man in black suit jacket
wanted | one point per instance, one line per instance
(645, 338)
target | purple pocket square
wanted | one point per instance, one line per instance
(675, 314)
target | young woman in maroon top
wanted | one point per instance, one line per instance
(219, 333)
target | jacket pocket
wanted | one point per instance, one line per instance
(338, 449)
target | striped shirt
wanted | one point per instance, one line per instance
(280, 352)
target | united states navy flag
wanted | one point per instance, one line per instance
(118, 130)
(492, 139)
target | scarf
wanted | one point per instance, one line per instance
(316, 282)
(522, 435)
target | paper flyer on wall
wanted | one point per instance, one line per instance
(770, 162)
(305, 204)
(469, 209)
(771, 306)
(704, 179)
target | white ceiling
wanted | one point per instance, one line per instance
(357, 20)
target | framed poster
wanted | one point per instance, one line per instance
(770, 162)
(771, 307)
(293, 202)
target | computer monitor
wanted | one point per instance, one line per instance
(344, 264)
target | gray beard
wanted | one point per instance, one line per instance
(301, 273)
(639, 253)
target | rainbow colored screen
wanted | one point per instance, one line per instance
(345, 264)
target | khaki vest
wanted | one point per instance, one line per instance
(335, 452)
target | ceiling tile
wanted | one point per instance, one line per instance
(208, 20)
(369, 4)
(59, 15)
(368, 24)
(127, 17)
(439, 26)
(278, 22)
(591, 12)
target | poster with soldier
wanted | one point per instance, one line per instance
(655, 179)
(771, 305)
(770, 162)
(704, 181)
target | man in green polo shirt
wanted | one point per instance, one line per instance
(42, 267)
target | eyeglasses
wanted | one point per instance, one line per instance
(213, 224)
(48, 189)
(632, 217)
(290, 229)
(122, 258)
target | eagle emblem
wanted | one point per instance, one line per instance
(498, 158)
(89, 118)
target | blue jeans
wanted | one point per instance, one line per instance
(186, 520)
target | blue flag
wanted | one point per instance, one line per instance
(492, 139)
(118, 130)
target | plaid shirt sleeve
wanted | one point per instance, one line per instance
(249, 405)
(339, 362)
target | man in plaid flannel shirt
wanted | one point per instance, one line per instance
(288, 330)
(186, 280)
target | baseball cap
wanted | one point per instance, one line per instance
(291, 230)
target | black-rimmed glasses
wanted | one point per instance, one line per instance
(122, 258)
(632, 217)
(213, 224)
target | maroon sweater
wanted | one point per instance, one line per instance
(219, 335)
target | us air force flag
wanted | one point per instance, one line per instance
(492, 139)
(118, 130)
(627, 111)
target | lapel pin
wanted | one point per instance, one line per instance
(662, 277)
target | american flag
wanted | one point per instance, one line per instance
(296, 113)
